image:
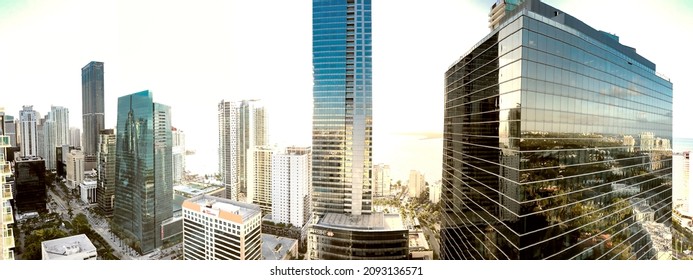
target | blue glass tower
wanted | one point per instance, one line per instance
(342, 108)
(144, 171)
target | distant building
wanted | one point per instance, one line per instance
(221, 229)
(434, 192)
(178, 154)
(10, 130)
(259, 177)
(291, 203)
(381, 180)
(76, 247)
(75, 137)
(416, 184)
(92, 105)
(28, 122)
(30, 184)
(105, 191)
(242, 125)
(75, 168)
(377, 236)
(278, 248)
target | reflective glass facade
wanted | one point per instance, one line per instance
(557, 145)
(144, 172)
(342, 108)
(92, 106)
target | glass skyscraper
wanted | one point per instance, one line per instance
(557, 144)
(143, 170)
(92, 106)
(342, 114)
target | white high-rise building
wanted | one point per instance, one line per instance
(242, 125)
(381, 180)
(291, 181)
(49, 141)
(417, 183)
(178, 154)
(221, 229)
(61, 116)
(28, 120)
(75, 168)
(259, 177)
(75, 137)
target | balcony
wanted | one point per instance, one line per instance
(7, 217)
(7, 255)
(8, 239)
(6, 191)
(5, 169)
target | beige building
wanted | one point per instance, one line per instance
(259, 177)
(75, 168)
(417, 183)
(6, 215)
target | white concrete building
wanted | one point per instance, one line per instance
(178, 155)
(291, 181)
(434, 191)
(87, 191)
(28, 122)
(76, 247)
(381, 180)
(417, 183)
(221, 229)
(75, 168)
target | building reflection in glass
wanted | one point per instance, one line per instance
(556, 145)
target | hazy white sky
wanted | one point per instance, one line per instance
(192, 54)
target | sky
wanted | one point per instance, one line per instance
(191, 55)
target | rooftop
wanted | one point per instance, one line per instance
(375, 221)
(276, 247)
(223, 208)
(61, 247)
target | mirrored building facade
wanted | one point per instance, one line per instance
(143, 170)
(557, 144)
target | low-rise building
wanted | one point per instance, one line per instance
(276, 247)
(76, 247)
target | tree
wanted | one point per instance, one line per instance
(33, 241)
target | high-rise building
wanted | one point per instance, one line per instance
(416, 183)
(221, 229)
(41, 137)
(30, 184)
(342, 114)
(178, 152)
(75, 137)
(381, 180)
(49, 141)
(105, 189)
(537, 159)
(75, 168)
(291, 200)
(342, 138)
(6, 215)
(92, 106)
(61, 116)
(143, 172)
(28, 120)
(242, 125)
(259, 177)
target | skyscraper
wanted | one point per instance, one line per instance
(10, 130)
(343, 225)
(105, 189)
(342, 115)
(49, 141)
(144, 175)
(381, 180)
(61, 116)
(6, 215)
(75, 137)
(537, 155)
(28, 120)
(242, 125)
(92, 106)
